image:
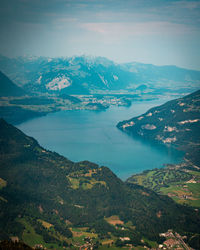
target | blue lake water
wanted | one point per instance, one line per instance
(92, 135)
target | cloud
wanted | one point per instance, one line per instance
(131, 29)
(189, 5)
(120, 29)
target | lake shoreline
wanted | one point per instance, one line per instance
(84, 135)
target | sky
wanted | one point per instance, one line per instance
(161, 32)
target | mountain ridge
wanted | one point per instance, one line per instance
(8, 88)
(88, 75)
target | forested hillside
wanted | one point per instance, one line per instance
(46, 198)
(175, 123)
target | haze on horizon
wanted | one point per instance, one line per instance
(158, 32)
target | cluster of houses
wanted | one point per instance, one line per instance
(173, 241)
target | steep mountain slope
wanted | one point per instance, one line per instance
(85, 75)
(45, 194)
(8, 88)
(76, 75)
(11, 94)
(176, 123)
(15, 114)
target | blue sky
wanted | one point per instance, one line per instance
(160, 32)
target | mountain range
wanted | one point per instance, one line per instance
(90, 75)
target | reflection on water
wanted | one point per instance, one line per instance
(89, 135)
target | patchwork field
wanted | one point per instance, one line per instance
(181, 184)
(84, 180)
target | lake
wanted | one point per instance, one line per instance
(92, 135)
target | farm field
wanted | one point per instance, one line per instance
(181, 184)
